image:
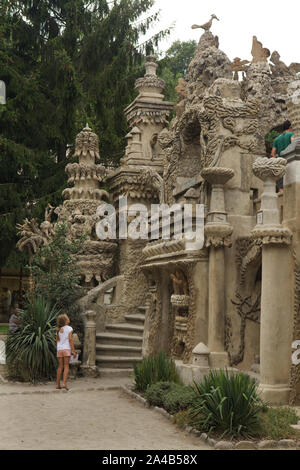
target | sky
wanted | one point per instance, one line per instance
(275, 23)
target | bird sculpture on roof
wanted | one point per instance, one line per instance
(206, 26)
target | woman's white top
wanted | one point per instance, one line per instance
(64, 342)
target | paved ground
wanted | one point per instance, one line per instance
(86, 417)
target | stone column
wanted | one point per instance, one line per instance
(217, 237)
(89, 350)
(201, 285)
(164, 331)
(277, 278)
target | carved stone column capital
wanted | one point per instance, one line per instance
(271, 235)
(217, 175)
(90, 319)
(269, 168)
(218, 235)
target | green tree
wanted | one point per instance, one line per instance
(65, 63)
(179, 56)
(56, 277)
(175, 65)
(21, 140)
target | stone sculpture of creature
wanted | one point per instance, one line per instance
(33, 236)
(180, 284)
(46, 226)
(206, 26)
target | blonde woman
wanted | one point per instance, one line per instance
(64, 342)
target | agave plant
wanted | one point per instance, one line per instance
(31, 349)
(228, 403)
(153, 369)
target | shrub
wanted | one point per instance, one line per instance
(227, 403)
(155, 393)
(172, 396)
(179, 398)
(153, 369)
(183, 418)
(31, 349)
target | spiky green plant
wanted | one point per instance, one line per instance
(227, 403)
(31, 349)
(155, 368)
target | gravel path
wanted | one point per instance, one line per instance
(84, 420)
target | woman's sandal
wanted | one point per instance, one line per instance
(66, 388)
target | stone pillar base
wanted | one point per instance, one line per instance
(275, 394)
(88, 371)
(218, 360)
(190, 373)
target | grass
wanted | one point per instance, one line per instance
(4, 329)
(274, 423)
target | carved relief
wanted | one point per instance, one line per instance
(295, 369)
(154, 313)
(150, 177)
(247, 296)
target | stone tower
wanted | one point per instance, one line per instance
(80, 206)
(147, 116)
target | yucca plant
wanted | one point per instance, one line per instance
(31, 350)
(227, 403)
(155, 368)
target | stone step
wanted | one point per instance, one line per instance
(117, 350)
(115, 339)
(113, 373)
(125, 328)
(142, 309)
(137, 319)
(117, 362)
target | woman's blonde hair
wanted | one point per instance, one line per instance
(61, 321)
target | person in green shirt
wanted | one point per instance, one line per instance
(281, 143)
